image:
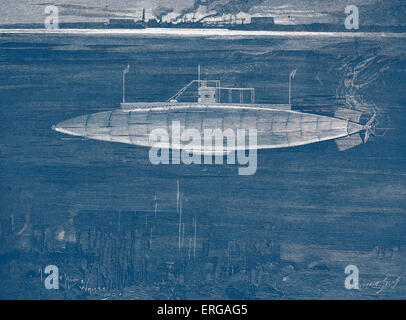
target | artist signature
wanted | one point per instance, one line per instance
(83, 285)
(381, 285)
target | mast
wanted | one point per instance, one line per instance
(156, 204)
(179, 211)
(126, 70)
(198, 83)
(194, 244)
(291, 76)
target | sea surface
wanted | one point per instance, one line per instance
(117, 226)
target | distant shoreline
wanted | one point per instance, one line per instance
(206, 32)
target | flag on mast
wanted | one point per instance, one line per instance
(126, 70)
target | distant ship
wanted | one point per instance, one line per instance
(277, 125)
(256, 23)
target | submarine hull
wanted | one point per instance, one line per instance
(275, 128)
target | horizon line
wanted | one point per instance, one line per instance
(202, 32)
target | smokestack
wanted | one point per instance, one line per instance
(143, 15)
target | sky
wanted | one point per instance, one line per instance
(378, 12)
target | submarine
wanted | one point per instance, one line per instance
(276, 125)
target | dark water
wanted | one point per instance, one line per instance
(107, 217)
